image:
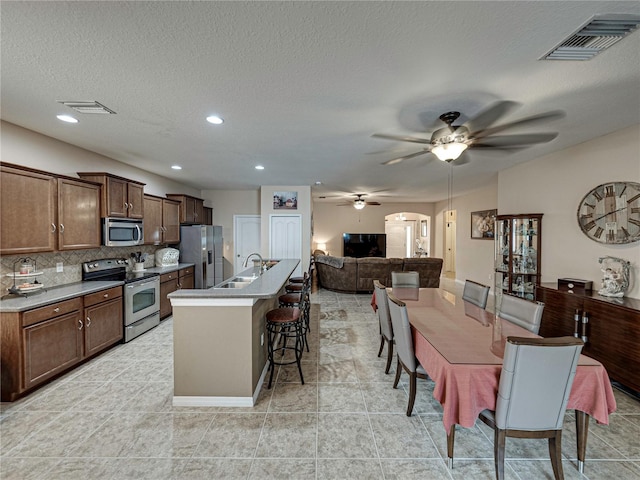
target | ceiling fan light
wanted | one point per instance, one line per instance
(359, 204)
(449, 151)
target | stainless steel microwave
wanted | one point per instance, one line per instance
(122, 232)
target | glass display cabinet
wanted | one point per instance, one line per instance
(517, 254)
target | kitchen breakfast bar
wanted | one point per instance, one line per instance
(219, 337)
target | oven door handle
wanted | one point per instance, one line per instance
(135, 285)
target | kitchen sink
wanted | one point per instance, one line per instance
(245, 279)
(233, 284)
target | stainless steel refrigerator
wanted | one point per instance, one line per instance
(202, 246)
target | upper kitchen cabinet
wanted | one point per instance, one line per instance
(191, 208)
(161, 220)
(208, 216)
(121, 197)
(43, 212)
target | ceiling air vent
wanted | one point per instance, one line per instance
(598, 34)
(89, 107)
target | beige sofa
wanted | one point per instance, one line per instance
(348, 274)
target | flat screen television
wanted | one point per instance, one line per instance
(364, 245)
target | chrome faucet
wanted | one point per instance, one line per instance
(262, 264)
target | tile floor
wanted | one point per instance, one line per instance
(113, 419)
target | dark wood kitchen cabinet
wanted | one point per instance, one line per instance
(191, 208)
(169, 283)
(611, 330)
(186, 278)
(103, 320)
(121, 197)
(43, 212)
(161, 220)
(37, 345)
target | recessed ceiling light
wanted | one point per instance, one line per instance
(216, 120)
(259, 167)
(67, 118)
(318, 183)
(176, 167)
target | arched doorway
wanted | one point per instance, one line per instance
(408, 235)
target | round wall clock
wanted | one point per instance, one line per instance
(610, 213)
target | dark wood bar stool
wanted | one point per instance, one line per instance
(283, 324)
(297, 287)
(293, 299)
(301, 279)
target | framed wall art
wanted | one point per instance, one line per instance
(285, 200)
(482, 224)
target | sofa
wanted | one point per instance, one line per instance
(356, 275)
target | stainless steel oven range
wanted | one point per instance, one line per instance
(141, 293)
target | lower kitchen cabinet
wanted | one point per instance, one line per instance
(609, 326)
(38, 344)
(169, 283)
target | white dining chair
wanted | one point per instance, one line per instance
(521, 312)
(476, 293)
(404, 345)
(535, 383)
(386, 330)
(405, 279)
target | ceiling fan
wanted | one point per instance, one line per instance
(450, 142)
(359, 203)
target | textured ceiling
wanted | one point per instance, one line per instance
(303, 85)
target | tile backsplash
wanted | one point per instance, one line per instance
(72, 264)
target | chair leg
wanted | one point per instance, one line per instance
(398, 373)
(412, 393)
(299, 348)
(555, 452)
(381, 344)
(389, 356)
(498, 452)
(451, 438)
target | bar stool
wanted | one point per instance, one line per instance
(283, 324)
(293, 299)
(297, 287)
(301, 279)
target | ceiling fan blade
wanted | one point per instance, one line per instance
(543, 117)
(508, 141)
(401, 138)
(490, 115)
(373, 203)
(405, 157)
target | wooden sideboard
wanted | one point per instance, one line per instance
(611, 330)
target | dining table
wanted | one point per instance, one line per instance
(461, 347)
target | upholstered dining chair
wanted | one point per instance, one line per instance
(521, 312)
(405, 279)
(404, 345)
(537, 375)
(386, 330)
(475, 293)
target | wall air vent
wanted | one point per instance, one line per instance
(89, 107)
(598, 34)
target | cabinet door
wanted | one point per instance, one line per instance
(135, 195)
(171, 221)
(78, 215)
(166, 288)
(190, 210)
(188, 280)
(613, 337)
(208, 216)
(27, 212)
(103, 326)
(152, 220)
(51, 347)
(117, 196)
(559, 310)
(198, 211)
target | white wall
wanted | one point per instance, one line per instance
(555, 184)
(30, 149)
(331, 221)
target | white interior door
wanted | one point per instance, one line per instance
(399, 239)
(246, 239)
(286, 238)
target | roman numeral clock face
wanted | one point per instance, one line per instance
(610, 213)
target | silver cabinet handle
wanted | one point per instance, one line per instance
(106, 295)
(131, 206)
(80, 324)
(53, 228)
(56, 310)
(62, 228)
(88, 321)
(126, 205)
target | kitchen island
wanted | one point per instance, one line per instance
(219, 335)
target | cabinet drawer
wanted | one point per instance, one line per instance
(102, 296)
(186, 271)
(169, 276)
(50, 311)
